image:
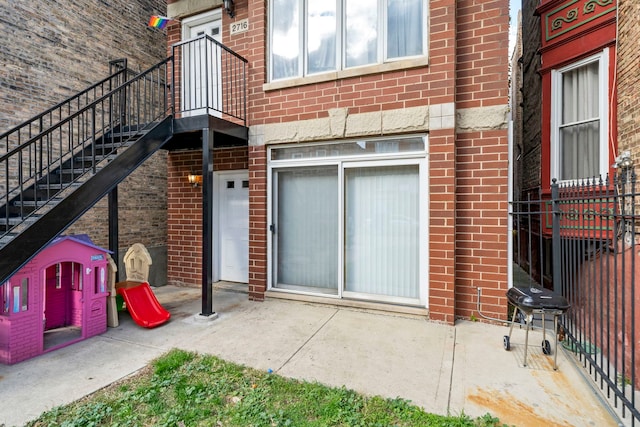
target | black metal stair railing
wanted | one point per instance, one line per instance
(16, 136)
(49, 165)
(56, 166)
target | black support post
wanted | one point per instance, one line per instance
(555, 236)
(113, 227)
(207, 222)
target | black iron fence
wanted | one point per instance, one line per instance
(583, 240)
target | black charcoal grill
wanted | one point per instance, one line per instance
(534, 300)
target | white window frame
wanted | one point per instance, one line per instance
(340, 40)
(344, 162)
(603, 109)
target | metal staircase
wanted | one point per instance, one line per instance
(56, 166)
(59, 164)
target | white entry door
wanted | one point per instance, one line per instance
(234, 227)
(202, 87)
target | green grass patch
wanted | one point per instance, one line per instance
(188, 389)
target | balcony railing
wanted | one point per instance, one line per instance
(209, 78)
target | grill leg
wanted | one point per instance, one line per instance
(529, 318)
(513, 319)
(555, 332)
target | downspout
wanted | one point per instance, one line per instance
(510, 203)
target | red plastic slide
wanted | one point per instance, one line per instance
(143, 306)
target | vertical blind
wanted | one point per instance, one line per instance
(382, 231)
(307, 227)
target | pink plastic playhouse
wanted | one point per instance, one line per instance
(58, 298)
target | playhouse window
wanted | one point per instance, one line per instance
(25, 294)
(99, 278)
(17, 297)
(58, 280)
(75, 272)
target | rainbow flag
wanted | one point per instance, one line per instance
(159, 21)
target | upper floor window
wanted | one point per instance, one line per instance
(315, 36)
(579, 119)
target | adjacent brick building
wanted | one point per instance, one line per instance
(581, 128)
(53, 49)
(628, 78)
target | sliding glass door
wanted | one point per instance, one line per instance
(346, 225)
(307, 229)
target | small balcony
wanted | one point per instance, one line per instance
(209, 84)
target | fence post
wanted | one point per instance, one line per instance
(555, 237)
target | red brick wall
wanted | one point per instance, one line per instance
(376, 92)
(174, 35)
(184, 211)
(184, 220)
(481, 222)
(481, 160)
(468, 65)
(251, 45)
(441, 76)
(257, 222)
(482, 58)
(442, 213)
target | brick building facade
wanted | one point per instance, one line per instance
(438, 118)
(531, 157)
(628, 79)
(53, 49)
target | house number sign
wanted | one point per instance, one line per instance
(239, 27)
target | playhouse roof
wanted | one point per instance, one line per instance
(83, 239)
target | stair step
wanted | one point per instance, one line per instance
(58, 186)
(114, 145)
(15, 220)
(75, 171)
(32, 203)
(7, 238)
(130, 131)
(125, 135)
(89, 159)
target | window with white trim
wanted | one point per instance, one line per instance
(14, 295)
(316, 36)
(345, 219)
(579, 112)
